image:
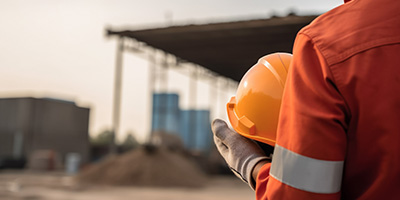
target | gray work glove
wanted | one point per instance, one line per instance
(241, 154)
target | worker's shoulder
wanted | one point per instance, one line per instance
(355, 27)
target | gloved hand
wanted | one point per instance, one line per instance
(240, 153)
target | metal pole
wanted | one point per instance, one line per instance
(151, 83)
(213, 97)
(117, 94)
(222, 97)
(193, 103)
(165, 90)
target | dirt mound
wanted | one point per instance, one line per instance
(145, 167)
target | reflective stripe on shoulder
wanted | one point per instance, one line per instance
(304, 173)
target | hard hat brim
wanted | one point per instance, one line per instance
(243, 125)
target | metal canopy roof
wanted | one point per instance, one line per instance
(228, 48)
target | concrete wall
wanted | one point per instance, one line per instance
(29, 124)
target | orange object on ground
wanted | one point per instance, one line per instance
(338, 133)
(254, 111)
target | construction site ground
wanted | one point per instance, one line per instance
(28, 185)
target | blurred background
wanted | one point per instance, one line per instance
(101, 98)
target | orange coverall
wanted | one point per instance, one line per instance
(339, 130)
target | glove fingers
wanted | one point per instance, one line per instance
(220, 129)
(240, 153)
(222, 148)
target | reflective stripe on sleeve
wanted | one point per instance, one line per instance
(304, 173)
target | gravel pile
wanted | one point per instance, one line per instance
(145, 167)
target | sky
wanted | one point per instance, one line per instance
(58, 49)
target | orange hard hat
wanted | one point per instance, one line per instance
(254, 111)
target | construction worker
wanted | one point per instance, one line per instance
(338, 134)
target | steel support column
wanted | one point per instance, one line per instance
(117, 94)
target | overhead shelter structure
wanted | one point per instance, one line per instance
(226, 49)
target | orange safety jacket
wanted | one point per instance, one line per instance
(339, 128)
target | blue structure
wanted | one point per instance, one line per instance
(193, 126)
(195, 129)
(165, 113)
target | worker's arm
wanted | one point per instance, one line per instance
(241, 154)
(311, 139)
(257, 168)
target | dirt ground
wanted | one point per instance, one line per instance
(27, 185)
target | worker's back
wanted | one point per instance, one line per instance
(360, 42)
